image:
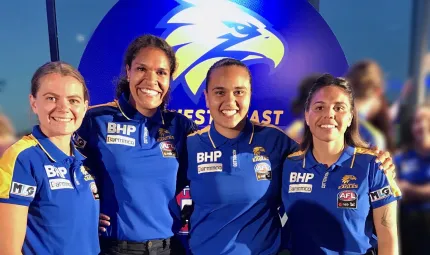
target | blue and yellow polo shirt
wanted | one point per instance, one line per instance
(235, 185)
(329, 209)
(137, 161)
(60, 194)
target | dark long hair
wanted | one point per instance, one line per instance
(133, 49)
(352, 136)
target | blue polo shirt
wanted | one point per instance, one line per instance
(330, 209)
(235, 185)
(415, 169)
(136, 161)
(59, 192)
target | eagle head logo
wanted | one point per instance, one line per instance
(347, 178)
(202, 32)
(162, 132)
(258, 151)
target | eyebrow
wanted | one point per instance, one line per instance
(321, 102)
(159, 68)
(52, 93)
(223, 88)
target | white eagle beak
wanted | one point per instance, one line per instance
(267, 44)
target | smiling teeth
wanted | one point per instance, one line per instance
(328, 126)
(229, 112)
(62, 119)
(149, 92)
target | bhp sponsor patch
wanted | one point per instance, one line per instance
(300, 188)
(60, 184)
(209, 168)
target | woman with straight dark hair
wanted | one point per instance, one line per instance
(333, 193)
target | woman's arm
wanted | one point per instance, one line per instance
(385, 221)
(13, 223)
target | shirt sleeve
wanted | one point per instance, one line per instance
(190, 126)
(383, 188)
(288, 146)
(17, 183)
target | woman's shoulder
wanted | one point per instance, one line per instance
(103, 109)
(175, 118)
(365, 153)
(267, 128)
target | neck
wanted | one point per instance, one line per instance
(145, 112)
(327, 152)
(231, 133)
(61, 141)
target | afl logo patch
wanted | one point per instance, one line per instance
(347, 199)
(263, 171)
(94, 190)
(168, 149)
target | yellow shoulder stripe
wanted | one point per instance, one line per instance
(201, 131)
(296, 154)
(7, 163)
(393, 184)
(111, 104)
(267, 125)
(365, 151)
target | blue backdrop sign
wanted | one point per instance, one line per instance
(280, 40)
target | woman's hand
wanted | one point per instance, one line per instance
(104, 221)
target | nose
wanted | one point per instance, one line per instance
(231, 99)
(151, 76)
(63, 105)
(329, 114)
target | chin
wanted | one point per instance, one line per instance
(150, 105)
(231, 123)
(62, 131)
(327, 139)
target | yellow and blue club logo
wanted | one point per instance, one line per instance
(203, 32)
(281, 41)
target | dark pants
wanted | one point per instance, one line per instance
(415, 232)
(171, 246)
